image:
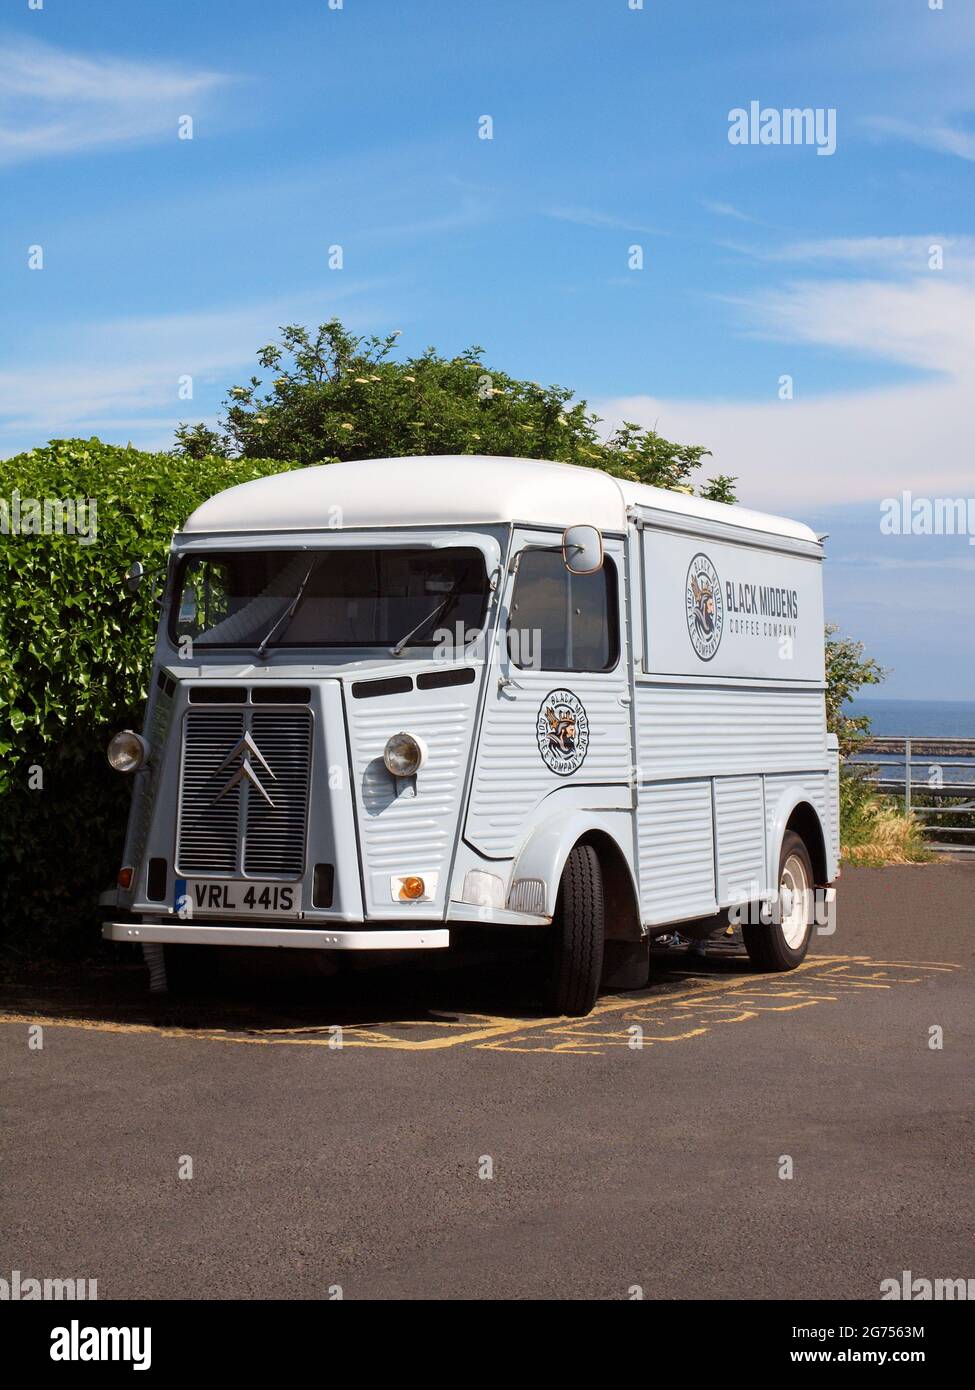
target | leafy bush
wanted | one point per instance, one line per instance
(874, 829)
(857, 805)
(75, 655)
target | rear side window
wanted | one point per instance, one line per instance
(561, 621)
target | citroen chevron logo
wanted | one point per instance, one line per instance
(245, 748)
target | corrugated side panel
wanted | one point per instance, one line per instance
(511, 778)
(676, 851)
(833, 805)
(713, 731)
(740, 815)
(409, 834)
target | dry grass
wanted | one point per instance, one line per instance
(885, 835)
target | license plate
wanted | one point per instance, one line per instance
(201, 897)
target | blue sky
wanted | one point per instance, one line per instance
(359, 126)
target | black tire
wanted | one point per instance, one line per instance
(190, 970)
(579, 933)
(768, 946)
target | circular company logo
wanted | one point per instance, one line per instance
(704, 605)
(562, 730)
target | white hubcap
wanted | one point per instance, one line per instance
(794, 895)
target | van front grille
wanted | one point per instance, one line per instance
(275, 836)
(244, 792)
(209, 824)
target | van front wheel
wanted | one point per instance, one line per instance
(782, 944)
(579, 932)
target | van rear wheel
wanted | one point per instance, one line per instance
(782, 945)
(579, 933)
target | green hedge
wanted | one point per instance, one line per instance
(75, 655)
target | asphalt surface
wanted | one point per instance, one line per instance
(362, 1166)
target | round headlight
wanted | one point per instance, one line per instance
(127, 752)
(404, 755)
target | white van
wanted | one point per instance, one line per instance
(395, 696)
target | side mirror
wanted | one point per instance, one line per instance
(134, 576)
(582, 549)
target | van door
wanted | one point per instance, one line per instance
(556, 726)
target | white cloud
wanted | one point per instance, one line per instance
(790, 455)
(891, 253)
(120, 378)
(54, 102)
(589, 217)
(942, 137)
(852, 446)
(927, 323)
(729, 210)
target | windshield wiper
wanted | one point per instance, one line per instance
(444, 603)
(288, 613)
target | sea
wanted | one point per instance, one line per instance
(918, 718)
(921, 719)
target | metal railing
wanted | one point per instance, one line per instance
(934, 776)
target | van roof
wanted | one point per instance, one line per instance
(457, 490)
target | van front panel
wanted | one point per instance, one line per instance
(409, 826)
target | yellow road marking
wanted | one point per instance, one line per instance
(743, 1000)
(700, 1002)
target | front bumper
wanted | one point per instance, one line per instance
(309, 939)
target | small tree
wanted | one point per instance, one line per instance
(333, 395)
(847, 671)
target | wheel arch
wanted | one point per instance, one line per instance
(796, 812)
(543, 857)
(619, 888)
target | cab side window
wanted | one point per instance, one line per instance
(561, 621)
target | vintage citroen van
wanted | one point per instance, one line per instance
(395, 696)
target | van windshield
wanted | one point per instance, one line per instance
(336, 598)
